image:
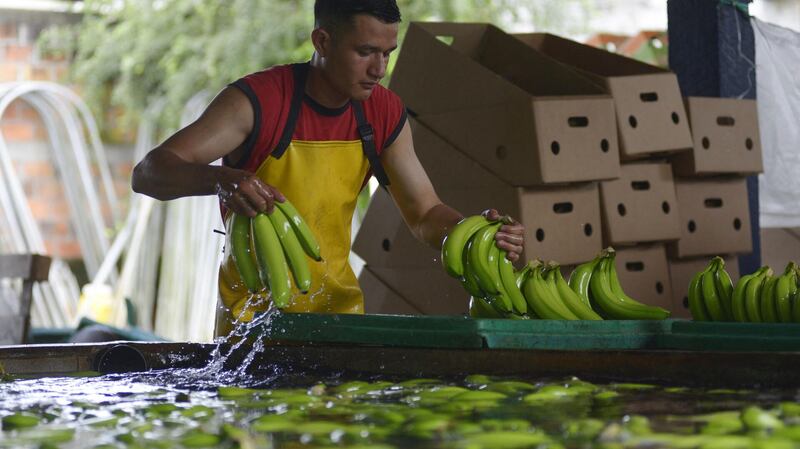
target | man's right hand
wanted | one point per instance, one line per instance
(245, 194)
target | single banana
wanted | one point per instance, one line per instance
(502, 298)
(456, 241)
(571, 299)
(769, 311)
(796, 307)
(540, 298)
(272, 261)
(293, 250)
(697, 306)
(304, 234)
(522, 276)
(710, 296)
(738, 308)
(618, 306)
(240, 250)
(479, 308)
(724, 285)
(479, 258)
(468, 280)
(509, 281)
(579, 280)
(752, 295)
(784, 291)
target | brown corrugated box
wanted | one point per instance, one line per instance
(715, 217)
(643, 272)
(640, 206)
(650, 113)
(681, 273)
(726, 138)
(379, 298)
(432, 292)
(526, 118)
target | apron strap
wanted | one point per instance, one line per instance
(368, 143)
(300, 72)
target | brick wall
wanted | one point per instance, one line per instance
(26, 135)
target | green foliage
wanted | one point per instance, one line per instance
(129, 53)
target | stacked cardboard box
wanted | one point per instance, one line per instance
(577, 143)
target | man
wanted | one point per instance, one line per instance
(311, 133)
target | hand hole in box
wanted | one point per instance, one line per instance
(713, 203)
(563, 208)
(640, 185)
(501, 152)
(665, 207)
(706, 143)
(447, 40)
(539, 235)
(387, 245)
(659, 288)
(725, 121)
(632, 121)
(676, 118)
(555, 147)
(604, 145)
(692, 226)
(737, 224)
(634, 266)
(621, 209)
(748, 144)
(685, 302)
(648, 97)
(587, 229)
(578, 122)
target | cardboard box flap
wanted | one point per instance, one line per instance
(585, 57)
(450, 66)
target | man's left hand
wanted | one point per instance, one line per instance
(510, 237)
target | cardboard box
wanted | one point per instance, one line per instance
(562, 224)
(641, 205)
(526, 118)
(430, 291)
(643, 271)
(651, 117)
(681, 273)
(715, 218)
(380, 299)
(726, 138)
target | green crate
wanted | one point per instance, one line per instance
(725, 336)
(464, 332)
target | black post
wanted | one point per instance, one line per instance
(712, 51)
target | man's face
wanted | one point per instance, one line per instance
(357, 55)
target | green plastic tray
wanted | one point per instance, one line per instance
(464, 332)
(721, 336)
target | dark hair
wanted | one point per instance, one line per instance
(332, 14)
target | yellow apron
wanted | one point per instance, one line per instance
(322, 179)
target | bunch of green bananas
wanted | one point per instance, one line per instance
(711, 293)
(758, 297)
(469, 254)
(279, 240)
(551, 298)
(598, 281)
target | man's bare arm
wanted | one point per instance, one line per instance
(179, 166)
(428, 218)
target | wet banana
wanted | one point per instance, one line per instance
(579, 280)
(269, 252)
(456, 242)
(304, 234)
(509, 283)
(608, 294)
(573, 302)
(697, 306)
(752, 295)
(478, 255)
(243, 259)
(293, 250)
(540, 297)
(785, 289)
